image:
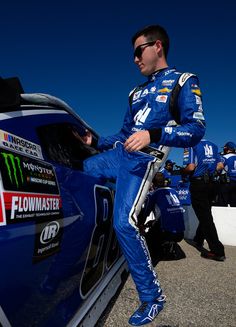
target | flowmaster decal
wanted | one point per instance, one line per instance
(30, 193)
(45, 211)
(25, 206)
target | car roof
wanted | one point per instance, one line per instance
(13, 98)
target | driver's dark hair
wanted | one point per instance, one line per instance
(159, 180)
(153, 33)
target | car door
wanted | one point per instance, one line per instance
(57, 242)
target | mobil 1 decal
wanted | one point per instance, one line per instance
(25, 174)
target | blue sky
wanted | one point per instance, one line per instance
(81, 52)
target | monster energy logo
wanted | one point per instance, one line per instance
(13, 163)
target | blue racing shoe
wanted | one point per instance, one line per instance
(147, 312)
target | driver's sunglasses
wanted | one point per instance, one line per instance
(139, 50)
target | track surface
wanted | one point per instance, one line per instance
(200, 293)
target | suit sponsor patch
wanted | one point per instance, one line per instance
(162, 98)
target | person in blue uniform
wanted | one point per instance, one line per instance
(132, 163)
(167, 228)
(202, 161)
(167, 170)
(228, 177)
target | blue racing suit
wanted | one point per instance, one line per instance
(148, 110)
(166, 201)
(229, 161)
(228, 185)
(205, 158)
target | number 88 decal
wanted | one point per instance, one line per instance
(104, 250)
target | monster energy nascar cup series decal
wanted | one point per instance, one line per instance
(25, 174)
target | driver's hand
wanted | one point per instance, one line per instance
(137, 141)
(86, 139)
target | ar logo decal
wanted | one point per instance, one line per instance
(13, 168)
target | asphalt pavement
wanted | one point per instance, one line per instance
(200, 293)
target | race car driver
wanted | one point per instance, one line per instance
(130, 162)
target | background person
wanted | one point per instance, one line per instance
(167, 229)
(128, 162)
(167, 170)
(227, 191)
(201, 163)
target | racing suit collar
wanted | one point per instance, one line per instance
(160, 72)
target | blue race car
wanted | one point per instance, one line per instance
(60, 260)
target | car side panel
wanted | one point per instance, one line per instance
(55, 253)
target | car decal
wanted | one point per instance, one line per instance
(22, 173)
(20, 145)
